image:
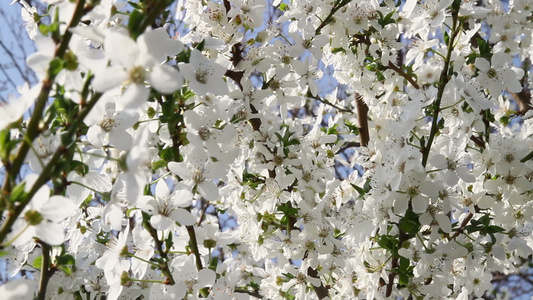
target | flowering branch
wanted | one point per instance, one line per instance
(48, 171)
(33, 127)
(411, 80)
(46, 271)
(327, 102)
(329, 18)
(262, 181)
(443, 81)
(163, 253)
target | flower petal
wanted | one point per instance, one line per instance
(183, 217)
(160, 222)
(165, 79)
(121, 49)
(58, 208)
(158, 44)
(22, 289)
(208, 190)
(50, 233)
(109, 78)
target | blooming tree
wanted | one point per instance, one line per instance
(193, 149)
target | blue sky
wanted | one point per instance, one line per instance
(14, 38)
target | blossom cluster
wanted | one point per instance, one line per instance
(242, 149)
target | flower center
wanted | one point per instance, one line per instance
(412, 191)
(107, 124)
(137, 75)
(204, 133)
(198, 176)
(164, 207)
(201, 76)
(492, 73)
(33, 217)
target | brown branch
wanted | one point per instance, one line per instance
(478, 141)
(165, 269)
(404, 75)
(395, 263)
(362, 118)
(329, 18)
(253, 294)
(327, 102)
(463, 225)
(348, 145)
(523, 99)
(46, 270)
(321, 291)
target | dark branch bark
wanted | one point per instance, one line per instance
(362, 117)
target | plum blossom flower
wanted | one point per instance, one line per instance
(299, 280)
(204, 132)
(108, 125)
(27, 13)
(41, 219)
(496, 76)
(188, 280)
(418, 50)
(474, 96)
(417, 189)
(198, 172)
(165, 209)
(112, 264)
(133, 62)
(204, 76)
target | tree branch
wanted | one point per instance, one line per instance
(362, 118)
(46, 271)
(404, 75)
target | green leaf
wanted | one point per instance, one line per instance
(441, 123)
(169, 242)
(66, 269)
(337, 50)
(367, 186)
(134, 25)
(38, 262)
(390, 243)
(80, 168)
(409, 223)
(288, 275)
(200, 46)
(50, 28)
(213, 263)
(5, 148)
(134, 5)
(71, 61)
(360, 190)
(446, 37)
(19, 194)
(288, 209)
(167, 154)
(159, 164)
(66, 260)
(56, 65)
(527, 157)
(505, 120)
(403, 279)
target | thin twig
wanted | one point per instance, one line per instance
(404, 75)
(327, 102)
